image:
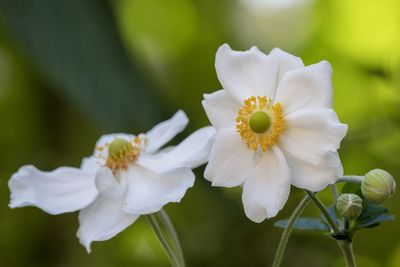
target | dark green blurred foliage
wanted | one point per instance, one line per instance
(76, 45)
(72, 70)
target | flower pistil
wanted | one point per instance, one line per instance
(260, 123)
(122, 152)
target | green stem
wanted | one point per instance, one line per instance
(335, 193)
(348, 253)
(174, 235)
(324, 211)
(166, 233)
(335, 196)
(288, 230)
(351, 179)
(345, 245)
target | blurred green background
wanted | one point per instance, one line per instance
(72, 70)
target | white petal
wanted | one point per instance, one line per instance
(62, 190)
(221, 109)
(108, 138)
(267, 190)
(308, 87)
(163, 132)
(286, 61)
(315, 177)
(107, 185)
(148, 191)
(92, 164)
(190, 153)
(311, 133)
(246, 73)
(102, 220)
(231, 162)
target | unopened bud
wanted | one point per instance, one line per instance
(349, 206)
(378, 185)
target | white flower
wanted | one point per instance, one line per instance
(126, 177)
(275, 127)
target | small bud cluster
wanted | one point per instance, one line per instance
(378, 185)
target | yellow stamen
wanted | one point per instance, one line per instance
(269, 134)
(122, 152)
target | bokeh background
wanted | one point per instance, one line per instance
(71, 70)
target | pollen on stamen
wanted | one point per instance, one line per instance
(260, 123)
(121, 152)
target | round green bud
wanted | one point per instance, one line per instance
(349, 206)
(259, 122)
(378, 185)
(118, 148)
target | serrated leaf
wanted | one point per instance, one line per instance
(307, 224)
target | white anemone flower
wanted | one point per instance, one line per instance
(275, 127)
(127, 176)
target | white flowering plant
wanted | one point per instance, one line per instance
(273, 127)
(276, 127)
(126, 177)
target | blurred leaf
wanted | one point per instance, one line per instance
(162, 39)
(76, 46)
(308, 224)
(350, 25)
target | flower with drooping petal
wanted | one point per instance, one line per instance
(127, 176)
(275, 127)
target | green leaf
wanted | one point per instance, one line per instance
(370, 210)
(75, 46)
(374, 221)
(371, 216)
(308, 224)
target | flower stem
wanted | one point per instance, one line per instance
(324, 211)
(335, 193)
(166, 233)
(288, 230)
(335, 196)
(345, 245)
(351, 179)
(347, 250)
(174, 235)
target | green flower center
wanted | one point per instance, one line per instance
(119, 148)
(259, 122)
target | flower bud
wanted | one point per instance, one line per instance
(349, 206)
(378, 185)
